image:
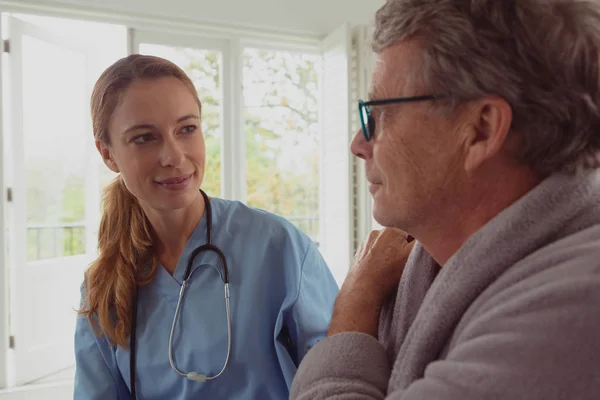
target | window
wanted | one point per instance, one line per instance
(57, 160)
(51, 66)
(55, 164)
(281, 104)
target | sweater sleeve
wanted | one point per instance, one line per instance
(542, 343)
(350, 363)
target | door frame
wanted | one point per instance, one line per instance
(4, 284)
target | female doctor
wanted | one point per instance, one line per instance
(191, 297)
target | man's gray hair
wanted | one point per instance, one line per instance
(541, 56)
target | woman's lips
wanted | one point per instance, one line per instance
(176, 183)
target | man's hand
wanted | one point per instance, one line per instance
(374, 275)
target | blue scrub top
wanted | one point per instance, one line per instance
(278, 283)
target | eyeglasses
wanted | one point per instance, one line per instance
(367, 121)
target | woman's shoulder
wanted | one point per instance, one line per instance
(242, 218)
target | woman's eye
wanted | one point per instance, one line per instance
(140, 139)
(189, 129)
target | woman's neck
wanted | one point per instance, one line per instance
(173, 230)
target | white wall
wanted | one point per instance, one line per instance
(312, 17)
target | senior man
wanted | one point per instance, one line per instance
(481, 140)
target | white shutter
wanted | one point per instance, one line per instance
(336, 216)
(364, 68)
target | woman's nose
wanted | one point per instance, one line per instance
(172, 153)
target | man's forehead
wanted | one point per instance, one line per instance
(378, 76)
(393, 71)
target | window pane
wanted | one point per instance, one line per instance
(60, 158)
(204, 68)
(281, 98)
(55, 149)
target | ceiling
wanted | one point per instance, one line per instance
(311, 17)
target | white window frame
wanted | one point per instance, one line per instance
(4, 284)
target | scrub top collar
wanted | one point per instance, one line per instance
(163, 280)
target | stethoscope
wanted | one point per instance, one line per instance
(208, 246)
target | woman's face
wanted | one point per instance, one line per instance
(156, 143)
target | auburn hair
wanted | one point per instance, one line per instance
(126, 258)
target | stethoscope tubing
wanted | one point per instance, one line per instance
(208, 246)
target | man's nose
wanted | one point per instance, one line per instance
(359, 146)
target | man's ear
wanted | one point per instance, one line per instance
(488, 130)
(106, 154)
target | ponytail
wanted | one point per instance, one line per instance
(126, 257)
(126, 260)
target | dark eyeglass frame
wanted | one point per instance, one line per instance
(366, 119)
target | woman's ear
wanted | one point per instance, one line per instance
(107, 157)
